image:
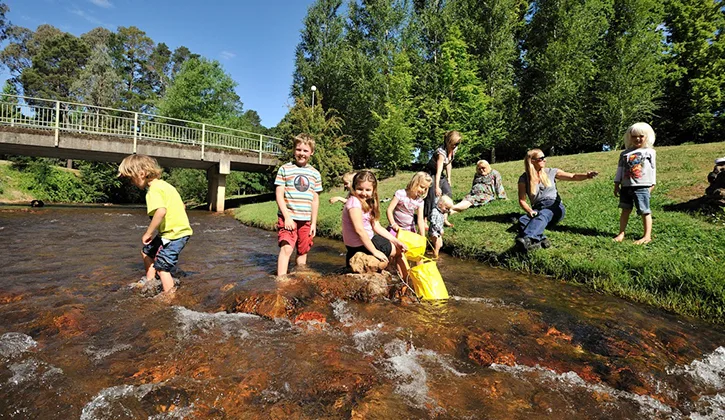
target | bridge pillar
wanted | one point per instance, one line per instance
(216, 177)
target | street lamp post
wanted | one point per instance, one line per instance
(313, 88)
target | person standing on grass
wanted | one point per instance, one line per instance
(538, 183)
(636, 178)
(297, 187)
(168, 217)
(442, 159)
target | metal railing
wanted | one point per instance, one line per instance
(45, 114)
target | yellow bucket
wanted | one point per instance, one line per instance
(415, 243)
(427, 281)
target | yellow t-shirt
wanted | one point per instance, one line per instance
(175, 224)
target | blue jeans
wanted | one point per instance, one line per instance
(165, 256)
(635, 196)
(549, 212)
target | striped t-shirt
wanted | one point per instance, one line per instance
(299, 184)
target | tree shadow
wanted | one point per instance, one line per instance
(696, 205)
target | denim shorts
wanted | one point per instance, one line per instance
(165, 256)
(635, 196)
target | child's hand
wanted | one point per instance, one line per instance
(147, 238)
(439, 191)
(616, 190)
(592, 174)
(289, 223)
(400, 245)
(313, 231)
(395, 227)
(379, 255)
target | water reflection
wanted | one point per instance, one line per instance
(76, 341)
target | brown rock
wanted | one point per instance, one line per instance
(364, 263)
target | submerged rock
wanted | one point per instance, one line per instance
(151, 288)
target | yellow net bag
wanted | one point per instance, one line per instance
(415, 243)
(427, 281)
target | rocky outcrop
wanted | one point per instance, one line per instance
(715, 192)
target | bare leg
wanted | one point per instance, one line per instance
(437, 245)
(463, 205)
(166, 281)
(285, 252)
(647, 222)
(623, 219)
(148, 263)
(301, 260)
(400, 262)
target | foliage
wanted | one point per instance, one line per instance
(329, 157)
(190, 183)
(242, 183)
(98, 83)
(55, 68)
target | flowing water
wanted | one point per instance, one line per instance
(77, 342)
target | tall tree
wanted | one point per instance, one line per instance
(201, 91)
(631, 70)
(562, 46)
(131, 49)
(98, 83)
(696, 71)
(55, 68)
(23, 46)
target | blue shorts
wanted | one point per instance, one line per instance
(165, 256)
(635, 196)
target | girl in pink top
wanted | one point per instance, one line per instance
(361, 229)
(408, 203)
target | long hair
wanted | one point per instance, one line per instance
(450, 137)
(639, 129)
(418, 179)
(483, 163)
(534, 176)
(372, 204)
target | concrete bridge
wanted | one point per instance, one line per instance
(66, 130)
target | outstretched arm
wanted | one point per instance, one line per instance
(568, 176)
(389, 212)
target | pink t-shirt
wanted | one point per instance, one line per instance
(404, 212)
(349, 236)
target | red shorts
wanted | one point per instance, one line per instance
(299, 236)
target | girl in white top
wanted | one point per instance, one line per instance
(407, 204)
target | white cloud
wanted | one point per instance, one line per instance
(102, 3)
(227, 55)
(89, 18)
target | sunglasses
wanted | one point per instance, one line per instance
(539, 159)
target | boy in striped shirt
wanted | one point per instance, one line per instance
(297, 187)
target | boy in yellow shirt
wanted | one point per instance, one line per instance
(168, 217)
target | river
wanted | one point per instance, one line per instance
(77, 342)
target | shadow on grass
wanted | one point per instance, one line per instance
(580, 230)
(696, 205)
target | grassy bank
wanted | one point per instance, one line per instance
(682, 270)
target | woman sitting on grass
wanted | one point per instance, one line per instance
(486, 187)
(539, 183)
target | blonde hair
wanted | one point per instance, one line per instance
(450, 136)
(480, 163)
(134, 165)
(304, 138)
(372, 204)
(447, 201)
(418, 179)
(534, 176)
(639, 129)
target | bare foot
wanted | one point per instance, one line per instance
(619, 238)
(643, 241)
(167, 296)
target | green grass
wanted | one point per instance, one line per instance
(682, 270)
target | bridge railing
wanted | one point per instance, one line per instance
(44, 114)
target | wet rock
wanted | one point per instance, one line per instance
(151, 288)
(6, 297)
(311, 319)
(487, 349)
(364, 263)
(73, 323)
(269, 305)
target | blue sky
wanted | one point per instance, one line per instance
(254, 40)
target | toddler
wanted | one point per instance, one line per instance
(437, 220)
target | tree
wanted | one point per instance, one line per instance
(4, 22)
(55, 68)
(562, 47)
(131, 48)
(98, 83)
(329, 158)
(695, 89)
(23, 46)
(631, 70)
(201, 91)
